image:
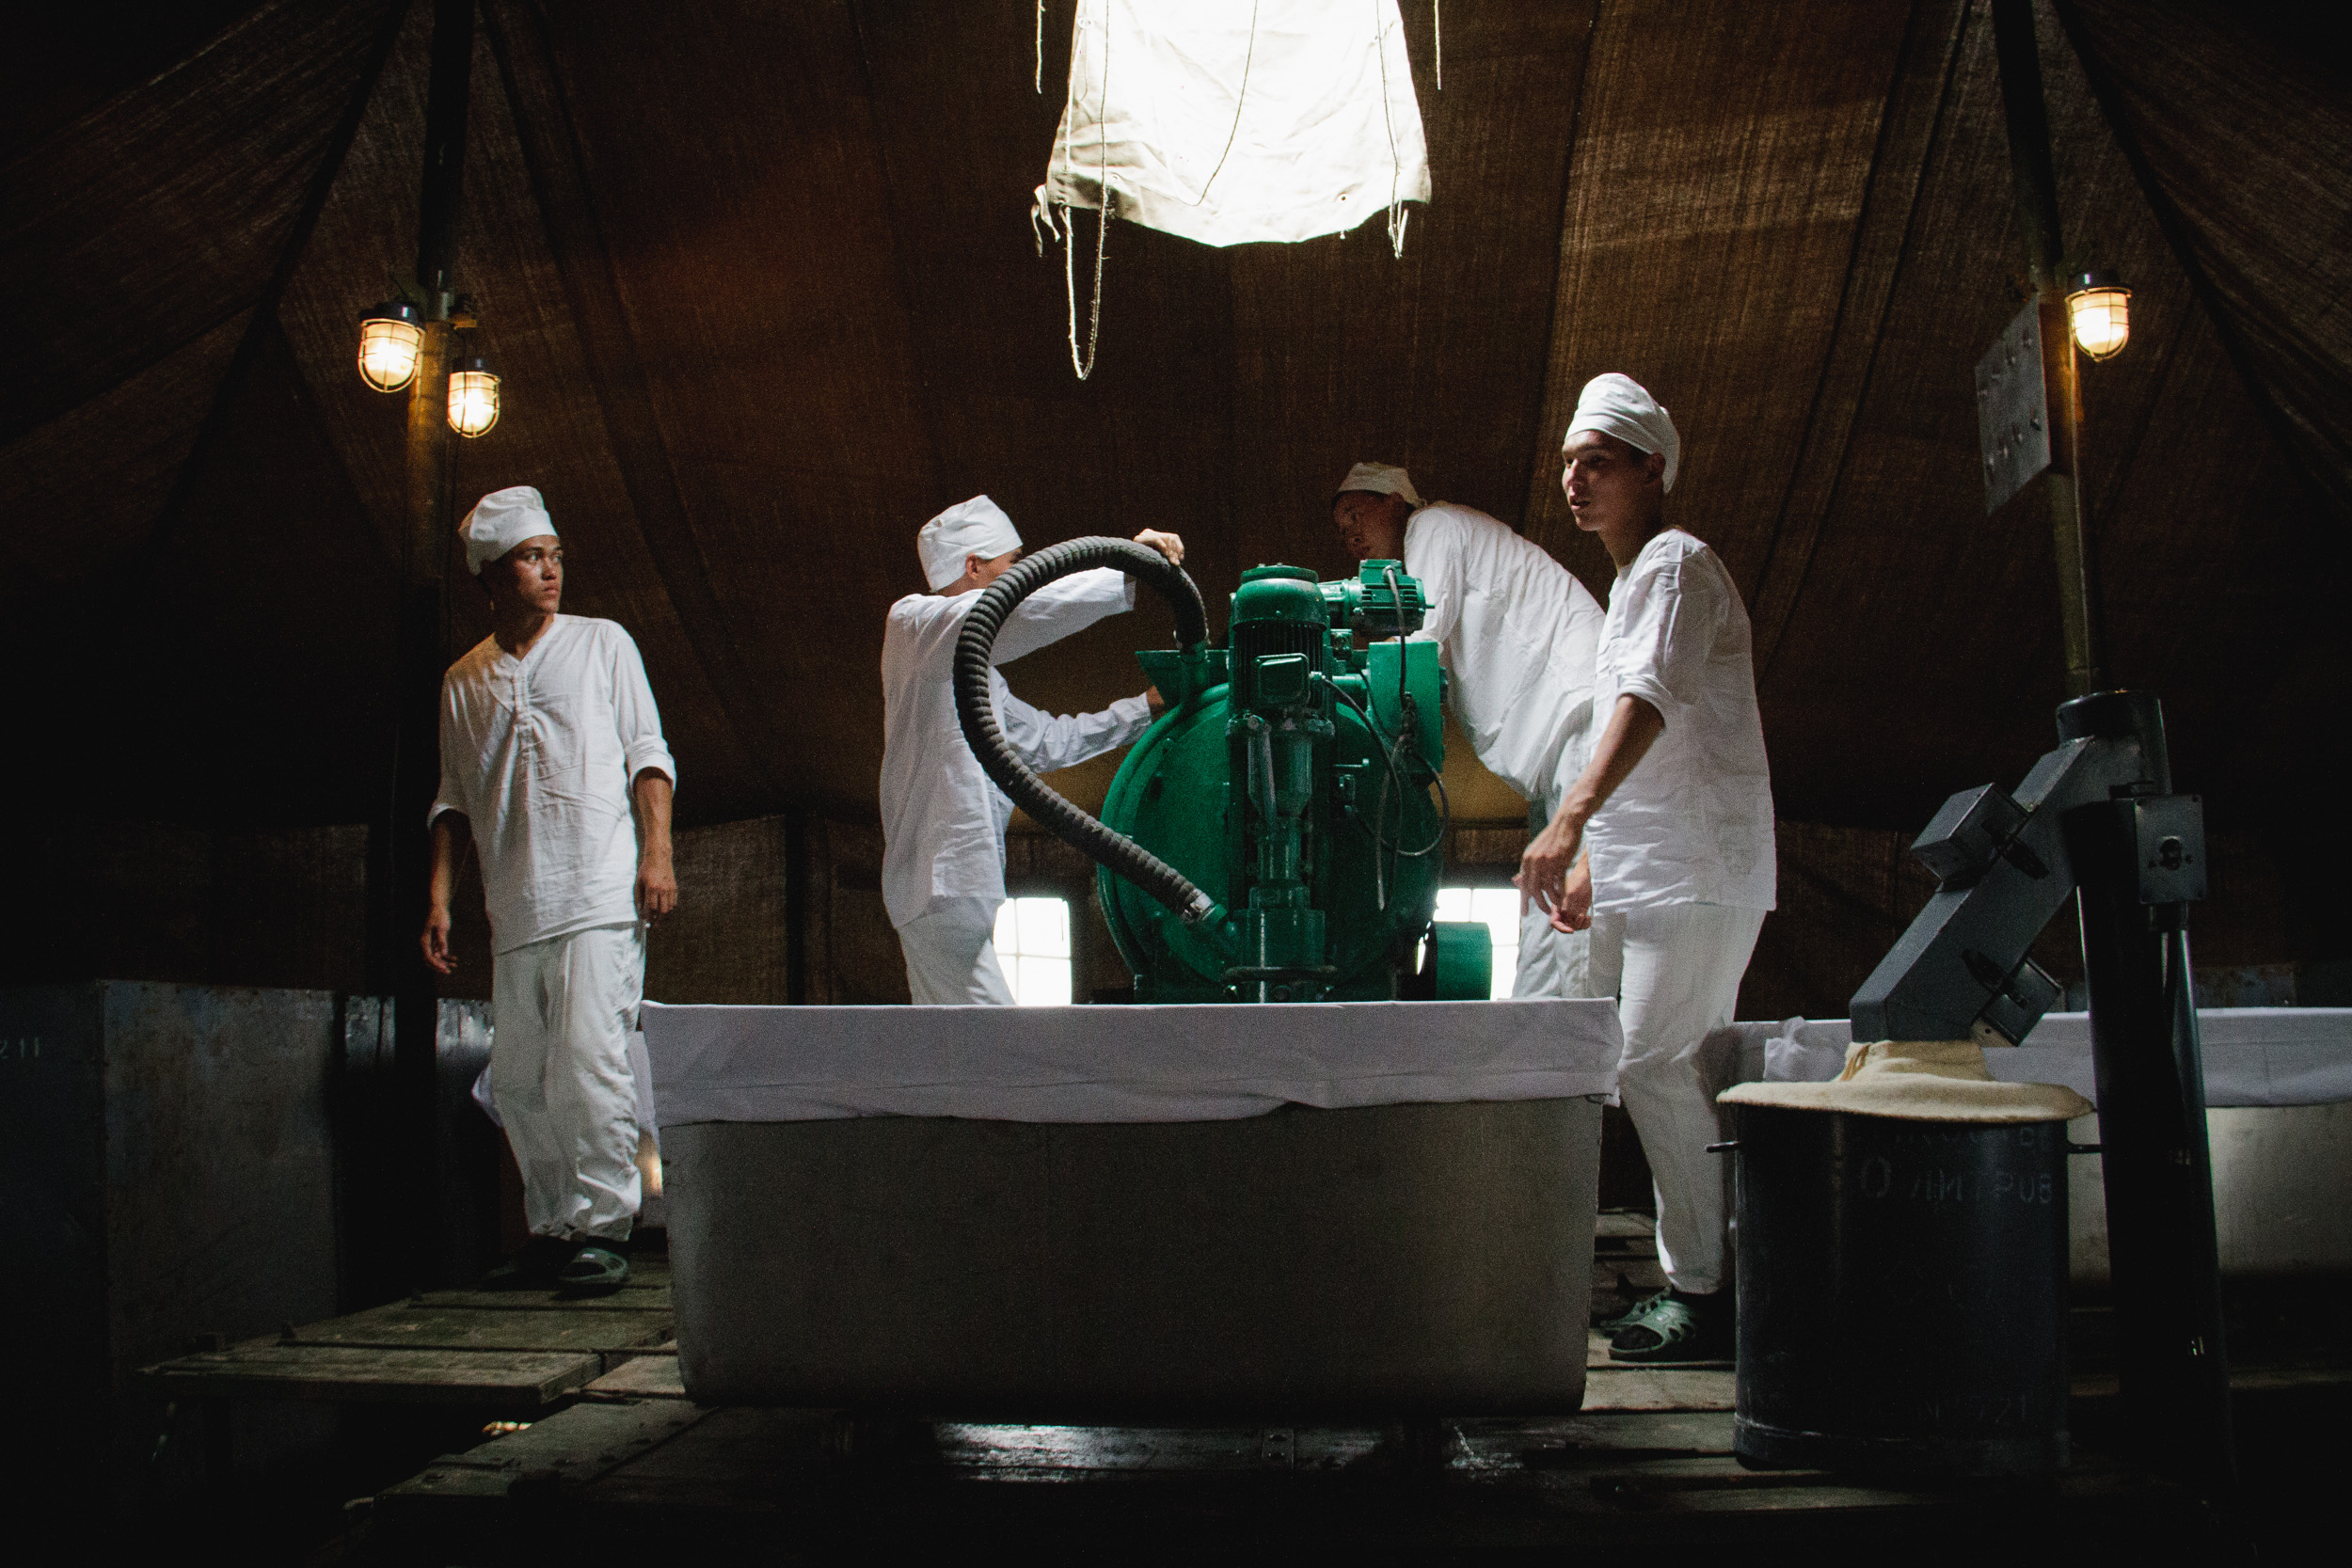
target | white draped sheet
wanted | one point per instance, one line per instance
(1211, 1062)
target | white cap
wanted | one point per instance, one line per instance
(977, 527)
(501, 520)
(1619, 406)
(1381, 479)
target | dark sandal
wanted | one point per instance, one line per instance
(593, 1268)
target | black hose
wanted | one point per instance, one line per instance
(976, 706)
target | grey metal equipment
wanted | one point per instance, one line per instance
(2096, 819)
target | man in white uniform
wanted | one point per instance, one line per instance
(554, 768)
(942, 818)
(1517, 633)
(1664, 846)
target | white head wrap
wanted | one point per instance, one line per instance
(1619, 406)
(1381, 479)
(501, 520)
(977, 527)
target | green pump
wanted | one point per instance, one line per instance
(1271, 837)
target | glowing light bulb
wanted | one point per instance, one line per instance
(391, 336)
(2099, 308)
(473, 396)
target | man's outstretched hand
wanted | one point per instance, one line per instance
(1168, 544)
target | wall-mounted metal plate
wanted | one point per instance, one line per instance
(2014, 409)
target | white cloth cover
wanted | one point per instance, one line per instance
(1675, 971)
(942, 819)
(563, 1011)
(1380, 478)
(1229, 122)
(1517, 633)
(1621, 406)
(1211, 1062)
(538, 752)
(1918, 1081)
(1692, 823)
(501, 520)
(2253, 1055)
(951, 956)
(977, 527)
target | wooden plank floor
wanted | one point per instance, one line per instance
(609, 1448)
(505, 1346)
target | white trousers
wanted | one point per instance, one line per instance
(1675, 972)
(1553, 962)
(562, 1010)
(951, 956)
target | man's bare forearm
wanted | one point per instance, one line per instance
(649, 797)
(1634, 727)
(453, 836)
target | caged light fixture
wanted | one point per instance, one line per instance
(473, 396)
(2099, 310)
(392, 338)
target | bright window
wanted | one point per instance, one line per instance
(1033, 945)
(1497, 909)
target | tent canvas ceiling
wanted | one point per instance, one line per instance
(762, 284)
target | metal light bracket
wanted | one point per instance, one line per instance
(2014, 409)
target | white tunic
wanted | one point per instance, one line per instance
(943, 819)
(1517, 633)
(1692, 823)
(539, 753)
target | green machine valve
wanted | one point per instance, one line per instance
(1272, 836)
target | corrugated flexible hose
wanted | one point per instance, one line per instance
(976, 706)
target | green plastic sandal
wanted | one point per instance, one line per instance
(1631, 1314)
(1674, 1329)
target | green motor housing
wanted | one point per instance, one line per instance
(1289, 779)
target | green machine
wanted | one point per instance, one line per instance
(1271, 836)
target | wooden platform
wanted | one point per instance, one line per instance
(505, 1347)
(607, 1447)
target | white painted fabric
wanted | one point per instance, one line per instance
(539, 753)
(1518, 635)
(976, 527)
(1621, 406)
(1692, 823)
(1211, 1062)
(1229, 122)
(942, 819)
(2253, 1055)
(1676, 973)
(950, 950)
(1379, 479)
(501, 520)
(562, 1012)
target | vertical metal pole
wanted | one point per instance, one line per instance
(2172, 1358)
(411, 1205)
(2036, 183)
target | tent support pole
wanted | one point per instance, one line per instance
(413, 1209)
(2036, 183)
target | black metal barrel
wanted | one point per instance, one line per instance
(1902, 1294)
